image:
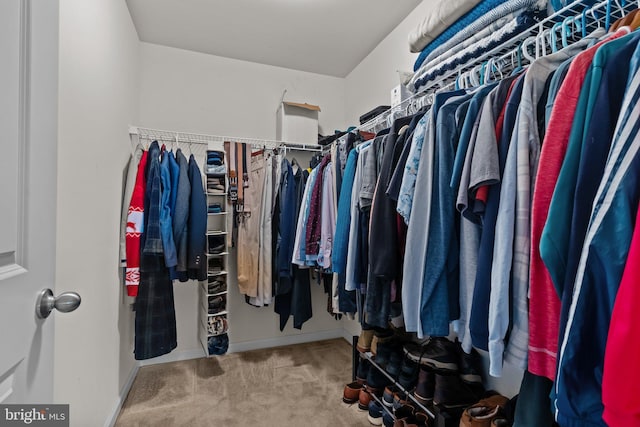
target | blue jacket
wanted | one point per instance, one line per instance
(441, 280)
(197, 225)
(284, 251)
(166, 227)
(181, 215)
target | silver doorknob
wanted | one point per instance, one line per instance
(65, 302)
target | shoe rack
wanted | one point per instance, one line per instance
(439, 416)
(213, 319)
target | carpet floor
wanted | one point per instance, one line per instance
(298, 385)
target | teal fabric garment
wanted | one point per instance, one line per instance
(577, 399)
(554, 242)
(343, 223)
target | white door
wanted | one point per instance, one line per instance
(28, 135)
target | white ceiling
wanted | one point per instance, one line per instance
(321, 36)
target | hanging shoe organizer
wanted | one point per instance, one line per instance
(214, 326)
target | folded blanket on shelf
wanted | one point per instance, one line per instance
(440, 15)
(475, 20)
(476, 49)
(465, 39)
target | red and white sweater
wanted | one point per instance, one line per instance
(135, 227)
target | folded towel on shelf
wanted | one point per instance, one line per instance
(476, 19)
(440, 15)
(511, 29)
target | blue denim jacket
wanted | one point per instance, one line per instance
(166, 229)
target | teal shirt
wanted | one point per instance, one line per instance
(554, 242)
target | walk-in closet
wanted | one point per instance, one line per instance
(416, 213)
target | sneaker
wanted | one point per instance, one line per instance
(387, 395)
(351, 392)
(470, 366)
(451, 392)
(364, 398)
(439, 353)
(375, 413)
(387, 419)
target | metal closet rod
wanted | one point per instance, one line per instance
(195, 138)
(573, 14)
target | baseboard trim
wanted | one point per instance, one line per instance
(240, 347)
(111, 421)
(175, 356)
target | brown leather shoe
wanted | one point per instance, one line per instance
(483, 413)
(351, 392)
(417, 420)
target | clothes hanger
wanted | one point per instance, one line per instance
(524, 48)
(594, 15)
(608, 17)
(565, 31)
(554, 37)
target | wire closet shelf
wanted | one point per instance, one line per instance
(173, 137)
(564, 27)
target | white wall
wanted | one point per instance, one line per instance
(98, 84)
(371, 81)
(369, 85)
(194, 92)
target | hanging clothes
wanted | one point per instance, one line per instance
(129, 186)
(135, 228)
(155, 323)
(181, 216)
(249, 229)
(197, 225)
